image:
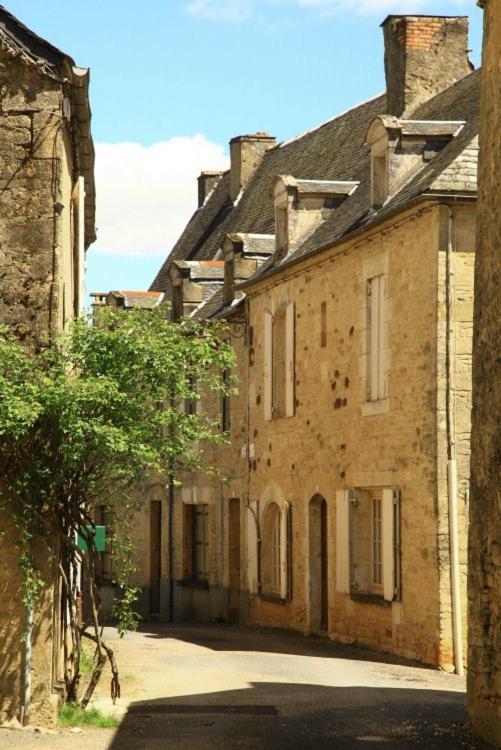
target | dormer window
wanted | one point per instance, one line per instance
(301, 206)
(379, 178)
(399, 149)
(281, 230)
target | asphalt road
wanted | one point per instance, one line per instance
(210, 687)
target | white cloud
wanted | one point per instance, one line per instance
(146, 194)
(243, 10)
(222, 10)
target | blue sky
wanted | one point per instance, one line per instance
(174, 80)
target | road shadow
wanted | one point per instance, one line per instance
(282, 716)
(268, 640)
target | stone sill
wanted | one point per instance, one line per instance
(370, 408)
(369, 599)
(273, 598)
(194, 583)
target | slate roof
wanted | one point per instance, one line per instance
(335, 151)
(132, 298)
(330, 152)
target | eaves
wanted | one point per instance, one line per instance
(367, 228)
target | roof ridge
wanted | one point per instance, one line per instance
(331, 119)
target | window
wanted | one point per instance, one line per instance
(282, 231)
(196, 542)
(191, 404)
(323, 324)
(379, 179)
(271, 551)
(275, 568)
(375, 345)
(104, 517)
(200, 541)
(279, 363)
(377, 541)
(225, 405)
(367, 542)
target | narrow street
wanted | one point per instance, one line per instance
(205, 687)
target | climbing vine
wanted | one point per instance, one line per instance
(82, 422)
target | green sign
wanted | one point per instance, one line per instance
(98, 533)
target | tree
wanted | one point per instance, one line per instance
(81, 423)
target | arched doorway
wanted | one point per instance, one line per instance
(319, 602)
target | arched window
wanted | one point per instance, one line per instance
(271, 551)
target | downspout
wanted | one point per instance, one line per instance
(452, 470)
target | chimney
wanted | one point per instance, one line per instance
(206, 183)
(246, 153)
(423, 56)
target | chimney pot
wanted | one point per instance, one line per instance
(423, 56)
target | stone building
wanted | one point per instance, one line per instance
(46, 223)
(484, 673)
(348, 284)
(347, 287)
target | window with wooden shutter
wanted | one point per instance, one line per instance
(374, 545)
(200, 535)
(376, 345)
(272, 555)
(289, 360)
(279, 362)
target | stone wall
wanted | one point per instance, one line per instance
(36, 299)
(336, 441)
(484, 676)
(35, 159)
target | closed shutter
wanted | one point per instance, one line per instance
(252, 548)
(388, 531)
(374, 337)
(381, 359)
(289, 361)
(268, 360)
(343, 541)
(285, 551)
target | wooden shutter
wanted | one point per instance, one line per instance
(289, 360)
(388, 531)
(252, 547)
(343, 541)
(373, 303)
(285, 551)
(268, 365)
(381, 353)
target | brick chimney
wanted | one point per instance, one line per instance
(423, 56)
(206, 183)
(246, 153)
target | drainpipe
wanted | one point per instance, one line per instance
(452, 471)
